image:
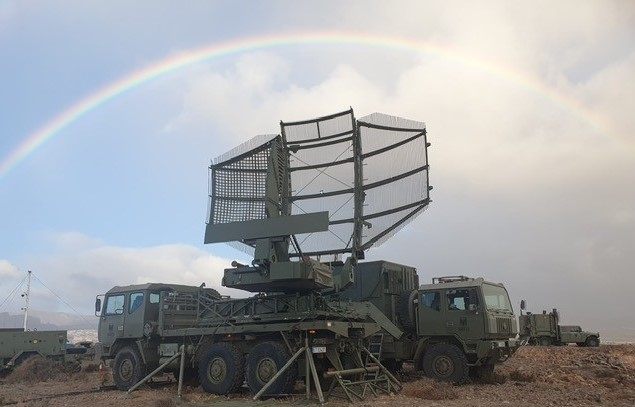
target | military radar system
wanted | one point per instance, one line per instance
(300, 202)
(545, 330)
(322, 189)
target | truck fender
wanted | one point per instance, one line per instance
(119, 345)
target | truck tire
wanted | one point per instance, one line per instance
(221, 369)
(406, 311)
(544, 341)
(592, 341)
(446, 363)
(263, 362)
(128, 368)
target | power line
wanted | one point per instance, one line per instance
(64, 302)
(12, 293)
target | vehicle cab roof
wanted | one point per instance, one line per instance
(457, 283)
(152, 287)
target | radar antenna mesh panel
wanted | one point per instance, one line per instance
(396, 183)
(322, 171)
(238, 180)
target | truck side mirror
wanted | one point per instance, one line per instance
(97, 305)
(523, 304)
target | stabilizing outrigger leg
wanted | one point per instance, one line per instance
(375, 377)
(382, 380)
(311, 372)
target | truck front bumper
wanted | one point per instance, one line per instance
(497, 351)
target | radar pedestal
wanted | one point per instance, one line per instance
(271, 270)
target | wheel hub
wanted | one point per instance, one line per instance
(217, 370)
(443, 366)
(126, 369)
(266, 369)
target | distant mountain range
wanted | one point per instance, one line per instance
(43, 320)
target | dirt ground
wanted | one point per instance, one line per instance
(535, 376)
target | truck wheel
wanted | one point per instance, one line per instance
(406, 311)
(544, 341)
(446, 363)
(221, 369)
(263, 362)
(128, 368)
(592, 341)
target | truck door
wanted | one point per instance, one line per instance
(134, 312)
(142, 308)
(463, 316)
(112, 320)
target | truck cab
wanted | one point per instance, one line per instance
(129, 313)
(459, 324)
(471, 313)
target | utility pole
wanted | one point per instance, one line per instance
(26, 298)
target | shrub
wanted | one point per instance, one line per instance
(38, 369)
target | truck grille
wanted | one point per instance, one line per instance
(504, 325)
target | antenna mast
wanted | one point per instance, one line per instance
(26, 298)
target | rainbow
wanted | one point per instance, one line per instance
(191, 57)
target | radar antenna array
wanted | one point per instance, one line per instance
(322, 187)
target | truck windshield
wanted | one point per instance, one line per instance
(496, 298)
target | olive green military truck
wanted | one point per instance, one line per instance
(544, 330)
(298, 202)
(452, 329)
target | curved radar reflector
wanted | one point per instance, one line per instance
(352, 183)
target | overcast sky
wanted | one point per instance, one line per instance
(528, 105)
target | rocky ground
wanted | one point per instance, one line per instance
(535, 376)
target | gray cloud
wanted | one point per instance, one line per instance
(69, 279)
